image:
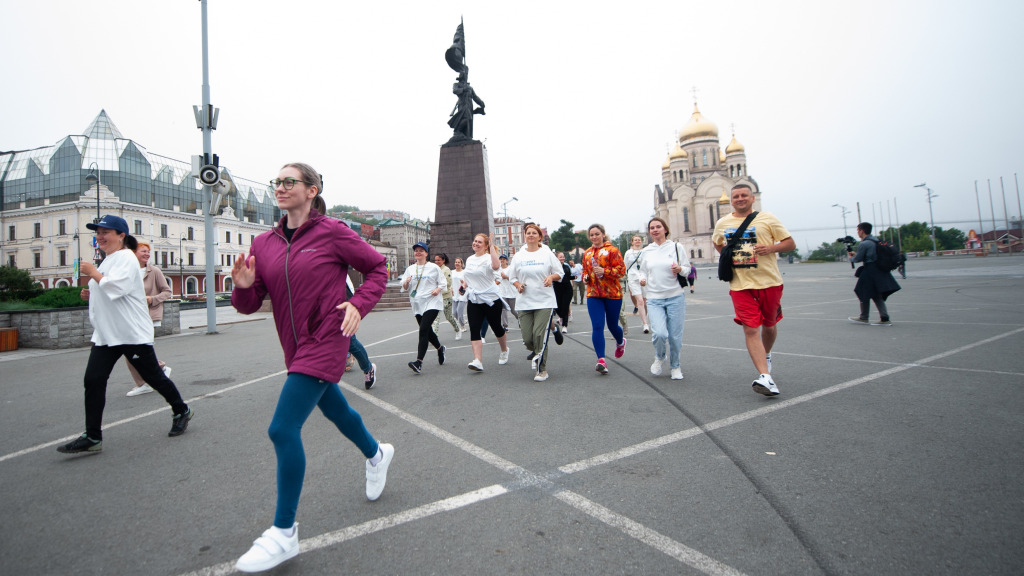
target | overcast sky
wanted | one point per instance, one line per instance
(835, 102)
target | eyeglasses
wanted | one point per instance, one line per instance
(287, 183)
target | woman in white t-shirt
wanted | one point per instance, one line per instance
(533, 272)
(425, 282)
(459, 297)
(663, 261)
(632, 257)
(484, 302)
(506, 290)
(121, 327)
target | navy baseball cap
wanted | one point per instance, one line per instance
(505, 256)
(421, 245)
(112, 222)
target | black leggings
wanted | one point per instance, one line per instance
(477, 313)
(563, 297)
(102, 360)
(427, 334)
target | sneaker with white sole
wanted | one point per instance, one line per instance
(476, 365)
(269, 550)
(377, 476)
(144, 389)
(167, 371)
(81, 444)
(765, 385)
(559, 337)
(503, 357)
(602, 367)
(656, 366)
(541, 376)
(647, 328)
(621, 348)
(371, 377)
(677, 373)
(458, 334)
(859, 320)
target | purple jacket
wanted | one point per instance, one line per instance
(306, 281)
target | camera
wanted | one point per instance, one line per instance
(849, 242)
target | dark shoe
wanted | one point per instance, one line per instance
(440, 355)
(858, 320)
(81, 444)
(371, 377)
(416, 366)
(180, 423)
(558, 335)
(885, 322)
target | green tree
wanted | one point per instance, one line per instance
(13, 278)
(828, 252)
(343, 208)
(563, 239)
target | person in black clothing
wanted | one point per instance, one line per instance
(873, 283)
(563, 298)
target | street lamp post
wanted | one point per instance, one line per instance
(845, 212)
(94, 176)
(935, 248)
(508, 231)
(181, 267)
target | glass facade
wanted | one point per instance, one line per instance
(56, 174)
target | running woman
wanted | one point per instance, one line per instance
(603, 269)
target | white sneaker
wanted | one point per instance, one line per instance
(483, 340)
(768, 357)
(476, 365)
(647, 328)
(269, 550)
(533, 363)
(656, 367)
(765, 385)
(677, 373)
(541, 376)
(458, 334)
(503, 357)
(377, 476)
(144, 389)
(167, 372)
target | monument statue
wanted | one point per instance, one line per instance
(461, 120)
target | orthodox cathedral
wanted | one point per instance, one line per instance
(696, 178)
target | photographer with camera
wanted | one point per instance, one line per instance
(873, 282)
(849, 242)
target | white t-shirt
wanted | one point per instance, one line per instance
(506, 289)
(531, 268)
(656, 268)
(456, 282)
(117, 303)
(422, 282)
(479, 278)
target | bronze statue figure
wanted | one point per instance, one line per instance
(461, 120)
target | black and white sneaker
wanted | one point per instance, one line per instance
(440, 355)
(558, 334)
(81, 444)
(180, 422)
(416, 366)
(371, 376)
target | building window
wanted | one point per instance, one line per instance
(191, 258)
(227, 236)
(711, 215)
(704, 155)
(239, 239)
(37, 231)
(252, 238)
(691, 254)
(10, 232)
(37, 258)
(163, 256)
(138, 227)
(732, 171)
(62, 227)
(163, 230)
(694, 160)
(700, 253)
(686, 219)
(10, 261)
(190, 232)
(693, 179)
(63, 257)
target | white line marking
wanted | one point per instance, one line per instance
(654, 539)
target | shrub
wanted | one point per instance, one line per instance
(63, 297)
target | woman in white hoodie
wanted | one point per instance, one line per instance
(662, 262)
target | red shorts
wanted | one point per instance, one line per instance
(757, 307)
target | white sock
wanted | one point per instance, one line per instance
(289, 532)
(377, 457)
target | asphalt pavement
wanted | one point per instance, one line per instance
(891, 450)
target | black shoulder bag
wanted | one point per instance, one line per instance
(725, 256)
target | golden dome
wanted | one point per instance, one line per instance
(677, 153)
(734, 146)
(664, 165)
(724, 199)
(721, 156)
(698, 127)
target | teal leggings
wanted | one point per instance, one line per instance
(300, 394)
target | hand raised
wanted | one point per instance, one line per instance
(243, 273)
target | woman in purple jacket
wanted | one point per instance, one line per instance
(302, 264)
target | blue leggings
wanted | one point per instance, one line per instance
(298, 397)
(604, 311)
(356, 349)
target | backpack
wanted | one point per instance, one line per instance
(887, 256)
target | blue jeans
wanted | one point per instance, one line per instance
(300, 394)
(358, 351)
(604, 311)
(667, 316)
